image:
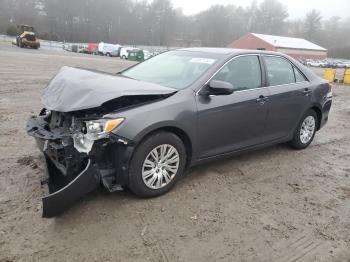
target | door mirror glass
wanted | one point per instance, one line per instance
(217, 87)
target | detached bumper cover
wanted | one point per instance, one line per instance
(58, 201)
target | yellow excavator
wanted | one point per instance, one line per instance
(27, 37)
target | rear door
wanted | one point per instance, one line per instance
(290, 96)
(230, 122)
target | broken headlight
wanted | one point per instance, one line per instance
(94, 130)
(97, 129)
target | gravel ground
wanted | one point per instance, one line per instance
(275, 204)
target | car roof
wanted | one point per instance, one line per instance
(228, 51)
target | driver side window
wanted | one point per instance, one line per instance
(242, 72)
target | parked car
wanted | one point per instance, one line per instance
(313, 63)
(92, 47)
(322, 63)
(124, 52)
(143, 127)
(340, 64)
(331, 64)
(83, 49)
(75, 48)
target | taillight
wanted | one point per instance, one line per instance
(330, 89)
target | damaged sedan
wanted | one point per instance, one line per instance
(143, 127)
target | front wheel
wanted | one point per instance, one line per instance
(157, 164)
(306, 130)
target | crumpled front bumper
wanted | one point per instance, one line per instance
(65, 184)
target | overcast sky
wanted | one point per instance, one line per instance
(296, 8)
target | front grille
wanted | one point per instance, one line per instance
(59, 120)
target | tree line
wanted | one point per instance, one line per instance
(159, 23)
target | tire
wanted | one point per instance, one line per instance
(20, 44)
(303, 141)
(124, 57)
(108, 54)
(138, 170)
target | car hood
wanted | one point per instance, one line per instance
(74, 89)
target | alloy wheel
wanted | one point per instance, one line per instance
(307, 129)
(160, 166)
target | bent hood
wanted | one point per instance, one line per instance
(74, 89)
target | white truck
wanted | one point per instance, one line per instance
(124, 52)
(108, 49)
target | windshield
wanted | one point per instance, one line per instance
(176, 69)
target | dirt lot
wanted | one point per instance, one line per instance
(276, 204)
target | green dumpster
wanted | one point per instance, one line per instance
(136, 55)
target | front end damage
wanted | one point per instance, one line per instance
(77, 163)
(74, 131)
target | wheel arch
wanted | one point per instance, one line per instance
(181, 133)
(318, 112)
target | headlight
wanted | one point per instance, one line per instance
(96, 129)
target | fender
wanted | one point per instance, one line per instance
(164, 124)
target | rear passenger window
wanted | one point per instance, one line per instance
(279, 71)
(298, 76)
(242, 72)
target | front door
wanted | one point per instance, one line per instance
(227, 123)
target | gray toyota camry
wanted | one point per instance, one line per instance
(142, 127)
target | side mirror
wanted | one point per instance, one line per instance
(217, 88)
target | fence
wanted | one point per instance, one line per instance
(45, 44)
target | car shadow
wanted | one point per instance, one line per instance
(101, 201)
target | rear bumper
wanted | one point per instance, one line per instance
(325, 111)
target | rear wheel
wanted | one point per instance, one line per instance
(306, 130)
(157, 164)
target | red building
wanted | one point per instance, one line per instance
(294, 47)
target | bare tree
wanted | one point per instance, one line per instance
(269, 18)
(312, 25)
(157, 22)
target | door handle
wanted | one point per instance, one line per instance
(262, 99)
(306, 91)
